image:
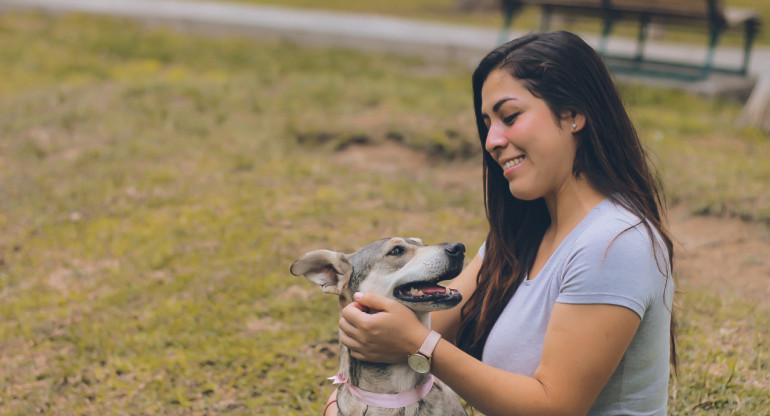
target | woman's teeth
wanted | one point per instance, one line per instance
(513, 162)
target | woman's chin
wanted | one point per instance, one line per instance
(523, 194)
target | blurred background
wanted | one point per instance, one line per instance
(163, 163)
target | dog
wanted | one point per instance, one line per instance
(407, 270)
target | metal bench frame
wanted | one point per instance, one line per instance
(715, 19)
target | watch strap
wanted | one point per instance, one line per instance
(429, 344)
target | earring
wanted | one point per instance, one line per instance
(574, 126)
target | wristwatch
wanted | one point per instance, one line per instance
(420, 361)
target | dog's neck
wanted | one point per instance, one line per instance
(381, 378)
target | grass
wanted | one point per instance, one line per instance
(155, 188)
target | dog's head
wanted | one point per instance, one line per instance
(404, 269)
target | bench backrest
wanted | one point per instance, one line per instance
(696, 9)
(687, 9)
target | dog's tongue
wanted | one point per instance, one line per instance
(429, 290)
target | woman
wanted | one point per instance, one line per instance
(567, 307)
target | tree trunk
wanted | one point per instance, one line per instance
(756, 112)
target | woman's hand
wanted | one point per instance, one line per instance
(381, 330)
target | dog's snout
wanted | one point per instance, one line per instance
(454, 249)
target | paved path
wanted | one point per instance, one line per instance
(366, 31)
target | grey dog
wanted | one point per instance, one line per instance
(404, 269)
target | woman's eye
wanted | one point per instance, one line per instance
(397, 251)
(510, 119)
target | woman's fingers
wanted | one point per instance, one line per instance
(358, 349)
(352, 344)
(373, 301)
(349, 334)
(352, 336)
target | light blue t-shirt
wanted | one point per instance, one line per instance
(601, 261)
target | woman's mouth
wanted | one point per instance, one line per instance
(513, 162)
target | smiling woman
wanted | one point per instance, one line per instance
(570, 297)
(535, 153)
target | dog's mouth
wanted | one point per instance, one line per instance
(427, 292)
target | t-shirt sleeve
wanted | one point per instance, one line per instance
(617, 269)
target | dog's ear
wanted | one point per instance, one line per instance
(328, 269)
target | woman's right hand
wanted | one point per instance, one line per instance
(380, 330)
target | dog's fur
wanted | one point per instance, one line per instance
(389, 267)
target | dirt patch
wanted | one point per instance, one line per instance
(720, 253)
(725, 254)
(391, 157)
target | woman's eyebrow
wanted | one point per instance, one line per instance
(501, 102)
(498, 104)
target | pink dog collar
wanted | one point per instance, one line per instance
(389, 401)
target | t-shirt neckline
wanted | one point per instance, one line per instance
(571, 236)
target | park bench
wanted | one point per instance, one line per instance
(711, 15)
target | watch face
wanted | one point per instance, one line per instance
(419, 363)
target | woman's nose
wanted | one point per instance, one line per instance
(495, 138)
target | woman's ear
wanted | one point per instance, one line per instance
(577, 123)
(573, 121)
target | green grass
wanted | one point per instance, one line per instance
(155, 188)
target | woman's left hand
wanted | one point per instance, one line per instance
(381, 330)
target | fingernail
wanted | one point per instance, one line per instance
(358, 295)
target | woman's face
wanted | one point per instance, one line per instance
(535, 151)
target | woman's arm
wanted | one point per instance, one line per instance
(583, 345)
(331, 409)
(447, 322)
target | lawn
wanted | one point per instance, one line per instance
(155, 187)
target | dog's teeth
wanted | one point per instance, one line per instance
(416, 292)
(448, 291)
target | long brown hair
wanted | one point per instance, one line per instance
(565, 72)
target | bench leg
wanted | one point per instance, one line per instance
(606, 29)
(508, 12)
(714, 33)
(641, 39)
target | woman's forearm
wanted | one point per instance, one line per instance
(583, 345)
(492, 391)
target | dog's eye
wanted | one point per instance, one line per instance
(397, 251)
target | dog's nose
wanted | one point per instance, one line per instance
(454, 249)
